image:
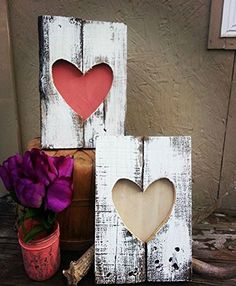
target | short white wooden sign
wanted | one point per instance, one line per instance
(82, 80)
(143, 209)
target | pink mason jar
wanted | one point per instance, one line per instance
(42, 256)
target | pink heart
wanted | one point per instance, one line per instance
(82, 92)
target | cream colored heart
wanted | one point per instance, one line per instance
(144, 213)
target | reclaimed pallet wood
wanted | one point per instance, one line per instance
(169, 254)
(83, 45)
(143, 204)
(119, 257)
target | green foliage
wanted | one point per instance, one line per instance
(45, 221)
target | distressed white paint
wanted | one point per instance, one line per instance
(84, 44)
(119, 257)
(228, 24)
(60, 126)
(96, 47)
(143, 162)
(170, 157)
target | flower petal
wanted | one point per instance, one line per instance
(30, 194)
(14, 161)
(52, 170)
(28, 165)
(10, 170)
(64, 166)
(59, 195)
(41, 170)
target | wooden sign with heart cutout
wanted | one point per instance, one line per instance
(83, 93)
(143, 209)
(144, 212)
(82, 81)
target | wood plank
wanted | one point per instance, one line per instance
(10, 143)
(115, 105)
(106, 42)
(228, 173)
(119, 257)
(59, 38)
(169, 253)
(8, 218)
(214, 239)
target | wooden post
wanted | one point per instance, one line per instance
(81, 44)
(143, 195)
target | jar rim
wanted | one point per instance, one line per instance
(42, 242)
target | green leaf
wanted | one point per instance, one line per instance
(33, 232)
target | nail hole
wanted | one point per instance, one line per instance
(177, 249)
(108, 274)
(131, 273)
(170, 259)
(176, 267)
(157, 261)
(155, 248)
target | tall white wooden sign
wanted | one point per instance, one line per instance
(82, 80)
(143, 209)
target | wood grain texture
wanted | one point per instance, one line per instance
(169, 254)
(175, 85)
(110, 116)
(84, 44)
(9, 124)
(227, 188)
(119, 257)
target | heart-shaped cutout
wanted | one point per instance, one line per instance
(83, 93)
(144, 213)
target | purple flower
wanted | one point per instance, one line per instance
(59, 195)
(30, 194)
(37, 179)
(10, 170)
(39, 182)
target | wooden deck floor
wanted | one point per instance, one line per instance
(214, 241)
